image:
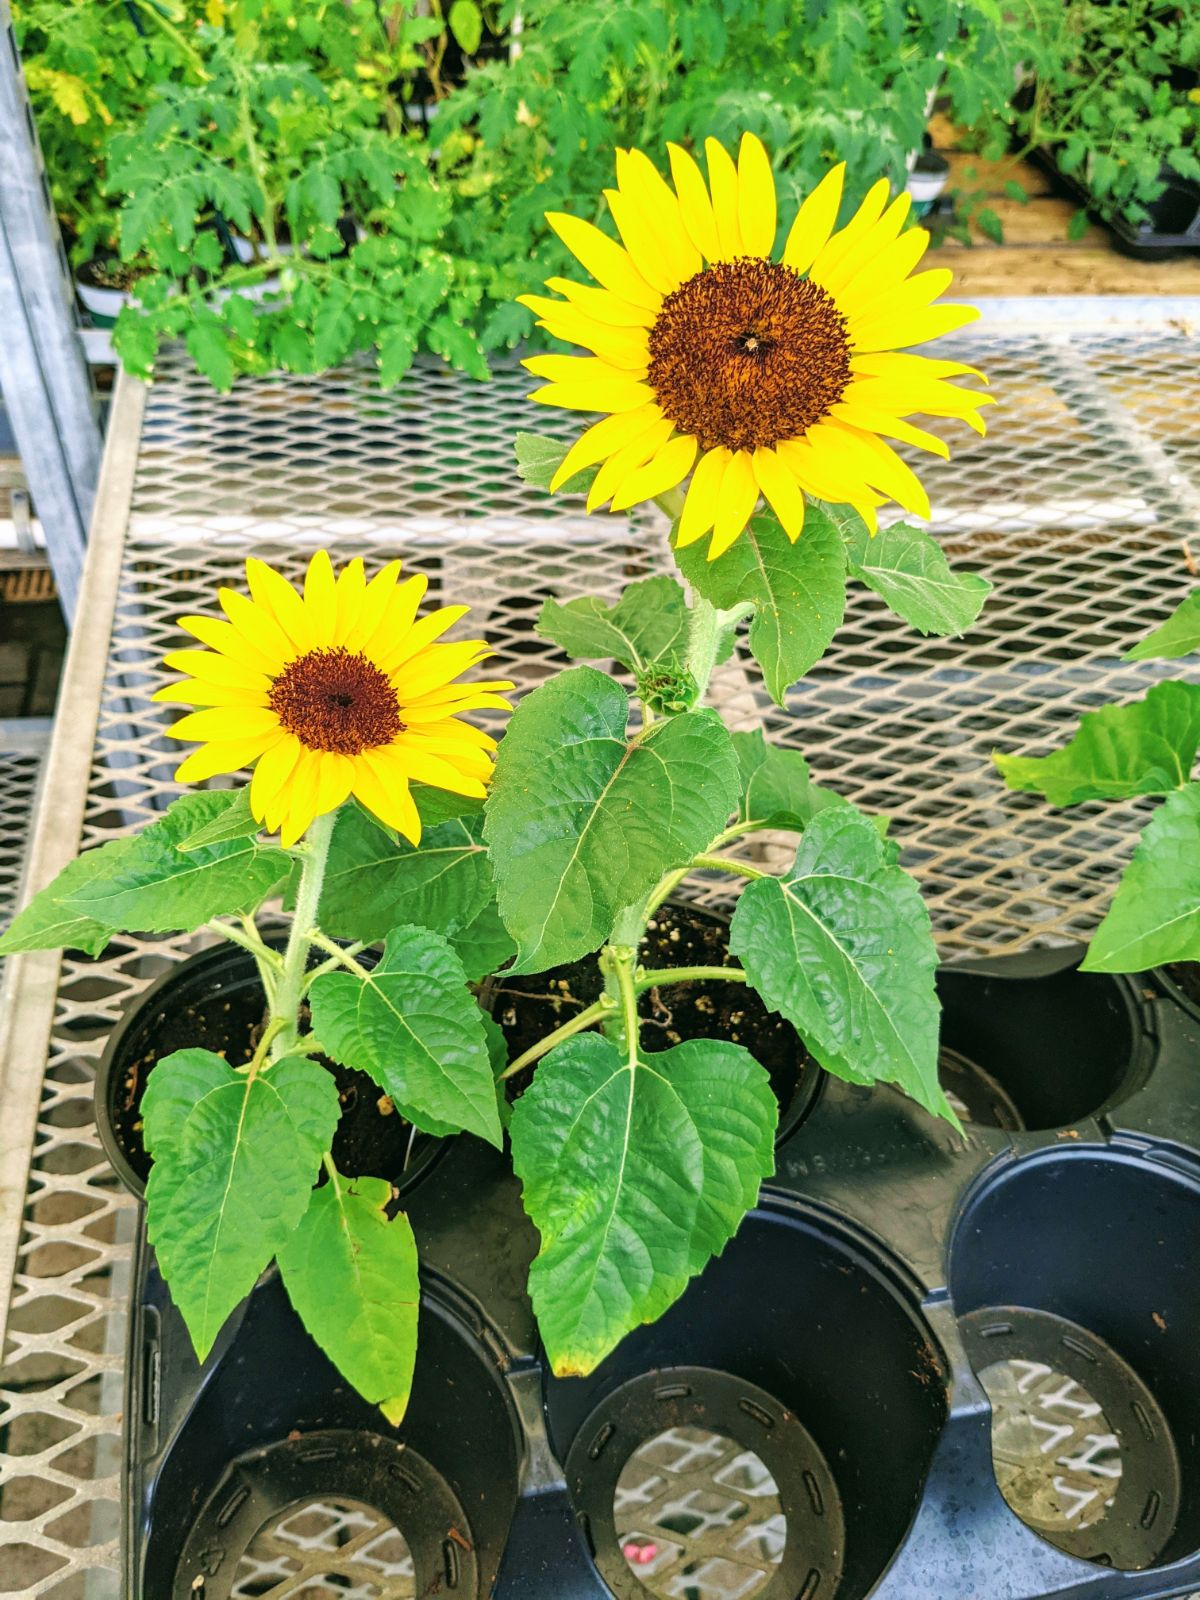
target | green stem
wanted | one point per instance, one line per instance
(660, 975)
(629, 1011)
(340, 957)
(290, 988)
(741, 869)
(261, 952)
(257, 165)
(594, 1013)
(338, 960)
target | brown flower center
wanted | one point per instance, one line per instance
(335, 701)
(747, 353)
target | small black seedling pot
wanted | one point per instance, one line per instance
(926, 1365)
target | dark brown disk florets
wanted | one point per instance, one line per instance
(336, 701)
(747, 353)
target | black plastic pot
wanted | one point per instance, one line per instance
(214, 1001)
(861, 1344)
(1172, 225)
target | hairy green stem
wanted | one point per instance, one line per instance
(741, 869)
(340, 956)
(594, 1013)
(630, 1024)
(652, 978)
(290, 988)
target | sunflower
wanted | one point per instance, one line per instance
(758, 377)
(335, 692)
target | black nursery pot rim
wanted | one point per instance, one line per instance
(190, 971)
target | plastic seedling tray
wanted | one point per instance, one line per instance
(966, 1370)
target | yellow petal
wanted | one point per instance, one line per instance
(901, 303)
(695, 207)
(602, 439)
(604, 259)
(436, 665)
(735, 503)
(429, 710)
(334, 780)
(592, 395)
(272, 772)
(274, 594)
(781, 490)
(757, 217)
(814, 221)
(645, 250)
(903, 367)
(299, 797)
(222, 755)
(349, 594)
(439, 772)
(866, 248)
(259, 655)
(883, 334)
(723, 181)
(636, 453)
(574, 369)
(419, 636)
(374, 603)
(625, 348)
(860, 224)
(878, 463)
(883, 274)
(700, 506)
(257, 627)
(320, 599)
(669, 466)
(390, 801)
(212, 668)
(858, 415)
(602, 304)
(638, 177)
(397, 616)
(225, 723)
(193, 693)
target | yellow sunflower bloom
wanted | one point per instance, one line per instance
(333, 692)
(780, 378)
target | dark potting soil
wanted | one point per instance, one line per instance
(372, 1139)
(528, 1008)
(110, 272)
(1186, 975)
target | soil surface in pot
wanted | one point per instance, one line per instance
(528, 1008)
(1186, 976)
(372, 1139)
(110, 272)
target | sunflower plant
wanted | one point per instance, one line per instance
(750, 392)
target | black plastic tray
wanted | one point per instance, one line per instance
(839, 1337)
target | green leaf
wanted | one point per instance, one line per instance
(798, 591)
(234, 821)
(48, 924)
(466, 24)
(777, 788)
(156, 887)
(1147, 747)
(1078, 225)
(177, 1083)
(352, 1277)
(413, 1024)
(484, 944)
(1155, 914)
(908, 570)
(841, 946)
(990, 224)
(374, 882)
(539, 458)
(635, 1174)
(439, 805)
(582, 821)
(1178, 636)
(649, 622)
(226, 1194)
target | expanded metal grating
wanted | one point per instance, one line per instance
(1078, 506)
(19, 771)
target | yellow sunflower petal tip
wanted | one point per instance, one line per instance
(332, 719)
(750, 352)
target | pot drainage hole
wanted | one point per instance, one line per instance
(698, 1517)
(1056, 1458)
(330, 1549)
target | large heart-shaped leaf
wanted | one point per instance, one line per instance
(582, 820)
(1178, 636)
(1155, 914)
(798, 591)
(484, 944)
(636, 1170)
(374, 881)
(157, 887)
(48, 923)
(1148, 747)
(841, 946)
(647, 624)
(777, 787)
(227, 1193)
(908, 570)
(413, 1024)
(352, 1277)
